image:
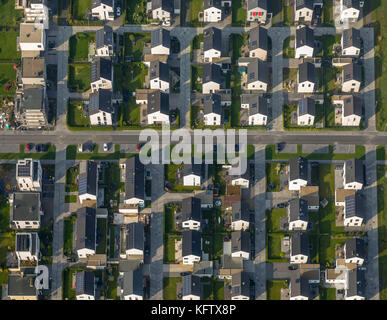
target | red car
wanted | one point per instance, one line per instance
(138, 147)
(28, 147)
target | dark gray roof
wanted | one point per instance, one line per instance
(212, 72)
(306, 71)
(356, 283)
(298, 210)
(355, 247)
(351, 38)
(22, 285)
(97, 3)
(240, 211)
(158, 101)
(88, 179)
(212, 104)
(354, 206)
(212, 39)
(135, 236)
(258, 38)
(258, 106)
(352, 72)
(33, 98)
(299, 287)
(192, 168)
(240, 241)
(191, 209)
(26, 206)
(128, 265)
(192, 286)
(85, 283)
(159, 70)
(26, 240)
(354, 171)
(133, 283)
(212, 3)
(304, 37)
(353, 105)
(300, 244)
(300, 4)
(257, 70)
(352, 4)
(240, 284)
(86, 228)
(252, 4)
(166, 5)
(298, 168)
(100, 100)
(101, 68)
(135, 178)
(160, 37)
(104, 37)
(306, 106)
(192, 243)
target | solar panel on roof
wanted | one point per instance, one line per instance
(252, 75)
(82, 185)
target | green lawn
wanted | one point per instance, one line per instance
(70, 198)
(79, 45)
(71, 175)
(169, 249)
(9, 17)
(67, 291)
(327, 14)
(7, 243)
(68, 235)
(196, 76)
(287, 111)
(195, 43)
(169, 290)
(135, 12)
(273, 170)
(80, 8)
(382, 226)
(7, 79)
(286, 14)
(169, 232)
(101, 235)
(129, 76)
(195, 6)
(288, 51)
(238, 13)
(8, 46)
(327, 293)
(79, 76)
(273, 288)
(75, 116)
(110, 286)
(169, 217)
(327, 250)
(129, 114)
(134, 44)
(274, 247)
(273, 219)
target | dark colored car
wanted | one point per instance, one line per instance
(282, 205)
(293, 267)
(280, 146)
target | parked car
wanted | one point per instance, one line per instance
(80, 149)
(293, 267)
(282, 205)
(118, 11)
(280, 146)
(29, 147)
(105, 147)
(139, 146)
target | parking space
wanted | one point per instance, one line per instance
(128, 148)
(315, 148)
(106, 147)
(343, 148)
(287, 148)
(9, 148)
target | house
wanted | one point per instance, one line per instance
(102, 9)
(229, 266)
(341, 194)
(299, 248)
(303, 10)
(33, 71)
(213, 111)
(101, 74)
(160, 41)
(29, 175)
(306, 112)
(258, 43)
(354, 210)
(21, 285)
(191, 213)
(85, 285)
(206, 198)
(298, 215)
(240, 286)
(240, 244)
(86, 227)
(304, 42)
(162, 10)
(192, 288)
(192, 174)
(132, 241)
(337, 276)
(351, 42)
(351, 77)
(353, 174)
(132, 285)
(240, 216)
(213, 79)
(104, 42)
(306, 78)
(349, 9)
(311, 196)
(25, 210)
(352, 111)
(100, 106)
(257, 10)
(159, 76)
(298, 175)
(212, 11)
(254, 110)
(32, 110)
(27, 246)
(36, 11)
(355, 251)
(192, 246)
(299, 288)
(158, 108)
(32, 39)
(88, 181)
(212, 43)
(242, 180)
(257, 75)
(356, 283)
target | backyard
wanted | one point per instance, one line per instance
(75, 116)
(71, 175)
(135, 12)
(238, 13)
(170, 233)
(68, 236)
(170, 290)
(101, 235)
(7, 79)
(79, 45)
(9, 17)
(274, 287)
(129, 76)
(134, 44)
(79, 8)
(196, 78)
(8, 46)
(79, 77)
(195, 6)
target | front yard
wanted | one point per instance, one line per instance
(274, 287)
(8, 46)
(9, 17)
(195, 6)
(170, 290)
(238, 13)
(76, 117)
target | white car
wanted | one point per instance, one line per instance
(105, 147)
(166, 23)
(80, 147)
(118, 11)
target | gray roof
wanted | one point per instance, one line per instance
(33, 98)
(298, 210)
(300, 4)
(192, 168)
(304, 37)
(100, 100)
(192, 243)
(352, 4)
(88, 179)
(104, 37)
(353, 106)
(166, 5)
(258, 38)
(354, 171)
(22, 285)
(212, 39)
(300, 244)
(191, 209)
(355, 247)
(257, 70)
(25, 240)
(192, 286)
(135, 178)
(306, 72)
(252, 4)
(160, 37)
(97, 3)
(26, 206)
(351, 38)
(212, 72)
(240, 211)
(159, 70)
(356, 283)
(212, 3)
(299, 287)
(352, 72)
(133, 283)
(298, 168)
(257, 103)
(354, 206)
(135, 236)
(101, 68)
(240, 284)
(128, 265)
(212, 104)
(158, 101)
(306, 106)
(86, 228)
(240, 241)
(85, 283)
